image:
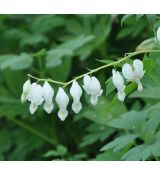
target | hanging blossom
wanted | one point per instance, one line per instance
(48, 94)
(93, 88)
(158, 34)
(26, 89)
(76, 93)
(62, 100)
(118, 81)
(134, 72)
(35, 96)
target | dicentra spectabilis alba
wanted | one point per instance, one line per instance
(158, 34)
(93, 88)
(76, 93)
(48, 94)
(62, 100)
(35, 96)
(134, 73)
(118, 81)
(26, 88)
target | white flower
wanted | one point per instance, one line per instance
(134, 73)
(158, 34)
(48, 94)
(92, 87)
(118, 81)
(62, 100)
(76, 93)
(35, 96)
(26, 88)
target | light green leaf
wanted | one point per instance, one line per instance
(108, 155)
(54, 56)
(132, 120)
(149, 92)
(120, 142)
(15, 62)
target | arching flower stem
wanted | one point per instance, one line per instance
(127, 56)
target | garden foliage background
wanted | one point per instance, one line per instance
(62, 47)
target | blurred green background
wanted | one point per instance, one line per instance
(64, 46)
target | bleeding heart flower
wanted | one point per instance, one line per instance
(76, 93)
(134, 73)
(62, 100)
(118, 81)
(93, 88)
(48, 94)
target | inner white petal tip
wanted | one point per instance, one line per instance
(76, 107)
(62, 114)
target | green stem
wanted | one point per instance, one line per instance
(35, 132)
(129, 55)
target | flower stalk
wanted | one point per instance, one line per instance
(64, 84)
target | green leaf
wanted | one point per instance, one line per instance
(134, 154)
(138, 16)
(46, 23)
(65, 66)
(96, 133)
(51, 153)
(147, 44)
(125, 17)
(148, 92)
(104, 111)
(62, 150)
(33, 40)
(132, 120)
(151, 18)
(119, 143)
(54, 56)
(15, 62)
(76, 43)
(109, 86)
(108, 155)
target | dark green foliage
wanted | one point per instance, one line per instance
(64, 46)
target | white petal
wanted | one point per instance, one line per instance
(62, 98)
(158, 34)
(121, 95)
(32, 92)
(62, 114)
(128, 72)
(76, 107)
(138, 67)
(32, 108)
(140, 87)
(100, 92)
(23, 97)
(26, 86)
(94, 99)
(95, 85)
(117, 79)
(87, 83)
(38, 95)
(76, 91)
(35, 94)
(48, 107)
(86, 80)
(48, 92)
